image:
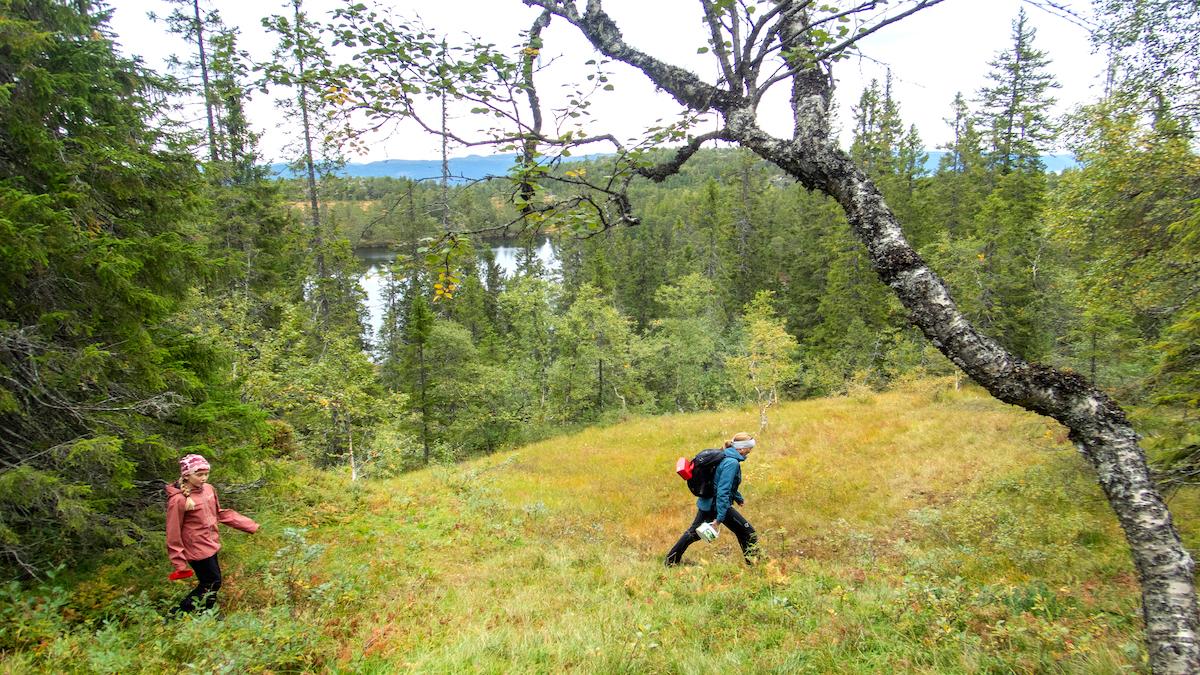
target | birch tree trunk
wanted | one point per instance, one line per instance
(1098, 427)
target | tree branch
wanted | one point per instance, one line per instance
(824, 55)
(684, 86)
(850, 41)
(718, 43)
(661, 172)
(748, 64)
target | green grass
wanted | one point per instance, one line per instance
(925, 531)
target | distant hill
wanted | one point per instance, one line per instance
(472, 167)
(1054, 163)
(475, 167)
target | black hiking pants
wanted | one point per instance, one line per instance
(737, 524)
(204, 595)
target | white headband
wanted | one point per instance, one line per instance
(742, 445)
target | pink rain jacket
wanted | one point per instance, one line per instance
(192, 535)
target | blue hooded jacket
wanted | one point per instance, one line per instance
(727, 478)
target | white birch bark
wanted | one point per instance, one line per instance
(1098, 426)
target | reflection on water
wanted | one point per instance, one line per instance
(506, 257)
(378, 259)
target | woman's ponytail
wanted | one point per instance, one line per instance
(739, 436)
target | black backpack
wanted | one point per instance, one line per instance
(704, 469)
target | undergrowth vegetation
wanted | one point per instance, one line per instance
(922, 530)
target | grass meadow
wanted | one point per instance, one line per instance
(925, 530)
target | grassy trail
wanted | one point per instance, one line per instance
(926, 531)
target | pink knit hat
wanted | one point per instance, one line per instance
(192, 464)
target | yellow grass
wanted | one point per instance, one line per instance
(549, 557)
(927, 530)
(818, 462)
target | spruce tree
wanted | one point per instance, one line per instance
(960, 181)
(957, 191)
(1128, 220)
(686, 343)
(1015, 110)
(230, 89)
(419, 358)
(527, 305)
(194, 25)
(877, 130)
(747, 249)
(1015, 261)
(301, 63)
(641, 251)
(854, 309)
(1012, 249)
(100, 381)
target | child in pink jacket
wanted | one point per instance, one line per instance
(192, 539)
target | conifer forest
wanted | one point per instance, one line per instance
(164, 290)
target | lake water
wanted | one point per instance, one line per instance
(377, 261)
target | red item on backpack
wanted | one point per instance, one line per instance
(181, 574)
(683, 467)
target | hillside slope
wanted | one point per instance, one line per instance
(927, 530)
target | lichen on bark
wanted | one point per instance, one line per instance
(1096, 423)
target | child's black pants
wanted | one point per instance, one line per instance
(204, 595)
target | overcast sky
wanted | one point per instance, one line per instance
(932, 55)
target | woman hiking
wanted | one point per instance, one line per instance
(192, 539)
(717, 509)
